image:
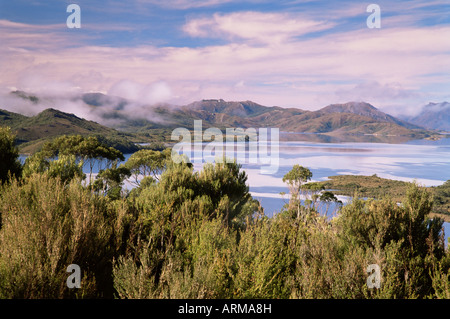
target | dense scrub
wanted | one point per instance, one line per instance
(186, 234)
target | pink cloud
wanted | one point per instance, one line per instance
(256, 26)
(264, 52)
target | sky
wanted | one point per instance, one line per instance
(289, 53)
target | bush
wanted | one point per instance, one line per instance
(49, 225)
(404, 241)
(9, 156)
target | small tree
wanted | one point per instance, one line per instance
(145, 163)
(295, 178)
(328, 197)
(9, 155)
(314, 190)
(87, 149)
(111, 180)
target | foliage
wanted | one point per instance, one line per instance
(48, 226)
(377, 187)
(199, 234)
(110, 181)
(87, 149)
(404, 241)
(442, 198)
(66, 167)
(9, 155)
(146, 163)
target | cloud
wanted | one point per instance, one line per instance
(375, 91)
(186, 4)
(108, 110)
(33, 82)
(258, 26)
(280, 57)
(155, 93)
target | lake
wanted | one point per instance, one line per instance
(427, 162)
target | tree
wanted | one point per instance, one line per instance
(402, 239)
(295, 178)
(9, 155)
(110, 180)
(87, 149)
(328, 197)
(146, 163)
(226, 184)
(66, 167)
(314, 190)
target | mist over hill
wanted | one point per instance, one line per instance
(433, 116)
(131, 121)
(31, 132)
(349, 118)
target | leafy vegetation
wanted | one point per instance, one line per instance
(200, 234)
(377, 187)
(442, 198)
(33, 132)
(10, 165)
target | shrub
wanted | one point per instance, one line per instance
(9, 155)
(49, 225)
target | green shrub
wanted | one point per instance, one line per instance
(49, 225)
(9, 156)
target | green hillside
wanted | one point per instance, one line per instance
(379, 188)
(350, 119)
(33, 131)
(353, 121)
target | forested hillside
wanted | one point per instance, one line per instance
(33, 131)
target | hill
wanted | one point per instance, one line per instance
(345, 122)
(34, 131)
(367, 110)
(377, 187)
(349, 119)
(11, 119)
(434, 116)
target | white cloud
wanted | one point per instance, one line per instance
(144, 94)
(265, 52)
(185, 4)
(257, 26)
(375, 91)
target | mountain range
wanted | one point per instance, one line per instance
(348, 118)
(433, 116)
(123, 122)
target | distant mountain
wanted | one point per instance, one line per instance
(353, 118)
(26, 96)
(222, 114)
(367, 110)
(240, 109)
(337, 119)
(346, 121)
(33, 131)
(434, 116)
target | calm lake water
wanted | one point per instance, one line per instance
(427, 162)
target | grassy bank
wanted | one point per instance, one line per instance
(379, 188)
